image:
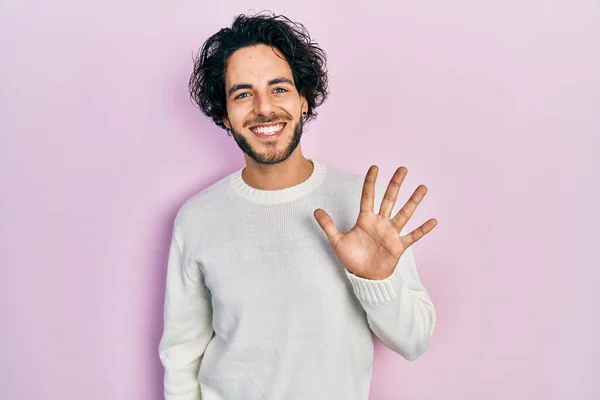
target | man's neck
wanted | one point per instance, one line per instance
(291, 172)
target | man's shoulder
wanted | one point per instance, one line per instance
(341, 178)
(204, 202)
(346, 181)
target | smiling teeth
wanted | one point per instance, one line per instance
(268, 130)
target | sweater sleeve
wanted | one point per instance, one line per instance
(187, 325)
(398, 308)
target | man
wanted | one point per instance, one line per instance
(268, 296)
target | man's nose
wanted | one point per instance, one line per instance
(263, 105)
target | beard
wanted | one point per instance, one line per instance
(271, 155)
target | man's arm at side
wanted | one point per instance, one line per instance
(187, 326)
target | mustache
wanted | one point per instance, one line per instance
(265, 120)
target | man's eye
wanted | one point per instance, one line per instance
(280, 90)
(241, 95)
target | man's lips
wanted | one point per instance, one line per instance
(251, 127)
(270, 129)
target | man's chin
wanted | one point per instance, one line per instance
(267, 158)
(270, 152)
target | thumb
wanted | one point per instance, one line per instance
(326, 223)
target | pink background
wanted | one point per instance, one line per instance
(495, 106)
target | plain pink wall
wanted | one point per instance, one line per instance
(495, 106)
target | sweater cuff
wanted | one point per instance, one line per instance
(374, 291)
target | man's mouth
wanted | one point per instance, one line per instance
(268, 130)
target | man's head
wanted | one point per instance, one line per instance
(261, 79)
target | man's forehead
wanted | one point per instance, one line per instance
(258, 64)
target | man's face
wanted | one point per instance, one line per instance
(263, 106)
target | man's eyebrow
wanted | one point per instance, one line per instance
(272, 82)
(281, 79)
(237, 87)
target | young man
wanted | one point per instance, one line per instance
(268, 296)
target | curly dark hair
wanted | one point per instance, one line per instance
(307, 61)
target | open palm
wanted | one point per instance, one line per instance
(373, 247)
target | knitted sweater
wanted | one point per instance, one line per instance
(258, 306)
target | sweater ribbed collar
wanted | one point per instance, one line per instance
(282, 195)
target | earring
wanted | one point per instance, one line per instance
(304, 113)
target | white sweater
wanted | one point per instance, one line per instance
(259, 307)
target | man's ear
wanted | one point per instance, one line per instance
(226, 122)
(303, 103)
